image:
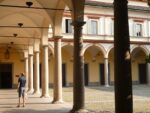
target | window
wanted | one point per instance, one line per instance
(93, 27)
(68, 28)
(138, 30)
(112, 27)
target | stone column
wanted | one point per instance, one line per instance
(26, 67)
(36, 74)
(148, 73)
(45, 74)
(78, 72)
(122, 59)
(106, 72)
(57, 70)
(30, 74)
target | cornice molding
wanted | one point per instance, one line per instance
(110, 5)
(102, 41)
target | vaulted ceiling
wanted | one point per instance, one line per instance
(22, 24)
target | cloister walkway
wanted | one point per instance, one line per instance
(34, 104)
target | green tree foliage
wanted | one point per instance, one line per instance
(148, 58)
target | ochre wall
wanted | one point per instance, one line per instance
(94, 73)
(17, 65)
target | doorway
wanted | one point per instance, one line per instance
(86, 74)
(63, 74)
(142, 74)
(102, 74)
(5, 76)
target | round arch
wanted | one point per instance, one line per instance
(146, 51)
(66, 44)
(69, 48)
(139, 69)
(108, 52)
(51, 48)
(100, 47)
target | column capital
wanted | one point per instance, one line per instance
(56, 38)
(78, 23)
(124, 2)
(25, 57)
(36, 51)
(44, 45)
(30, 54)
(105, 57)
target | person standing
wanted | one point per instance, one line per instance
(21, 88)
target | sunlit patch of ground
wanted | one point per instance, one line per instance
(101, 99)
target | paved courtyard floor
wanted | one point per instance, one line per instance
(34, 104)
(100, 99)
(97, 100)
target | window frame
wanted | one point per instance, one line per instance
(138, 29)
(94, 32)
(67, 26)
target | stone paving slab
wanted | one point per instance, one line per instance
(34, 104)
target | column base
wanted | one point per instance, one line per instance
(57, 102)
(79, 111)
(45, 96)
(30, 91)
(37, 93)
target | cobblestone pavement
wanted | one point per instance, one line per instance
(34, 104)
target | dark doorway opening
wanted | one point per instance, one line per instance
(5, 76)
(142, 74)
(63, 74)
(102, 74)
(86, 74)
(102, 79)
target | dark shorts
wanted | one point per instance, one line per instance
(21, 91)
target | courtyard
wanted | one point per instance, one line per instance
(101, 99)
(97, 100)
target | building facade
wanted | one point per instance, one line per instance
(44, 39)
(98, 35)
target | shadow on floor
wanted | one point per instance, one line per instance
(138, 90)
(37, 111)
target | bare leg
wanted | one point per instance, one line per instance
(23, 101)
(19, 103)
(24, 98)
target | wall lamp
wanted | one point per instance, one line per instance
(29, 4)
(15, 34)
(20, 24)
